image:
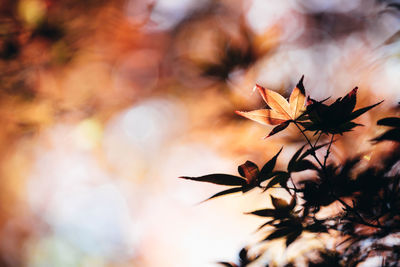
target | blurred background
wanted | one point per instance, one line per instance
(103, 104)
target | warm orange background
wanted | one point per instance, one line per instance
(103, 104)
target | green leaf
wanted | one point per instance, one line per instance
(218, 178)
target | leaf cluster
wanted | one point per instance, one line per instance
(250, 177)
(393, 134)
(368, 197)
(335, 118)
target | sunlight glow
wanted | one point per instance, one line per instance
(70, 190)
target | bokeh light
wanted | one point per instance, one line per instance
(103, 104)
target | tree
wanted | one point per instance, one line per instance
(368, 223)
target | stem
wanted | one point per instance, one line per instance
(316, 142)
(328, 150)
(291, 188)
(362, 221)
(309, 143)
(291, 179)
(323, 167)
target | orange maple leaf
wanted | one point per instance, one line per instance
(281, 110)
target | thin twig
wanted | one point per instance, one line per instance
(316, 142)
(309, 143)
(323, 167)
(328, 150)
(348, 207)
(291, 179)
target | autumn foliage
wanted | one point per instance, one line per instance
(367, 194)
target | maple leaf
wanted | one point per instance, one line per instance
(250, 177)
(335, 118)
(392, 134)
(281, 111)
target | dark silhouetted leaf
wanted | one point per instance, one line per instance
(265, 224)
(345, 127)
(279, 203)
(243, 256)
(303, 165)
(390, 121)
(266, 171)
(263, 212)
(348, 102)
(278, 233)
(293, 236)
(335, 118)
(361, 111)
(278, 128)
(316, 227)
(227, 264)
(225, 192)
(390, 135)
(293, 160)
(280, 178)
(292, 203)
(311, 151)
(218, 178)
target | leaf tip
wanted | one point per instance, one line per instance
(258, 87)
(262, 90)
(300, 85)
(241, 113)
(279, 152)
(266, 137)
(354, 91)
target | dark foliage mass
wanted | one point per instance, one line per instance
(368, 222)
